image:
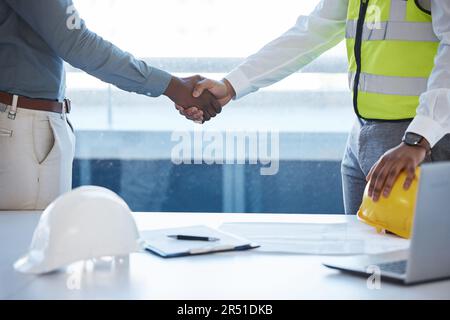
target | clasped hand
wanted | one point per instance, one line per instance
(199, 99)
(180, 91)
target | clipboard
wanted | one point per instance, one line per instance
(158, 242)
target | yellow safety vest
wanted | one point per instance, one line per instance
(391, 48)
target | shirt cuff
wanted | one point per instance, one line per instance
(240, 83)
(427, 128)
(157, 83)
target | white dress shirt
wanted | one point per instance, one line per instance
(323, 29)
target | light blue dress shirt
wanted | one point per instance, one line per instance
(36, 36)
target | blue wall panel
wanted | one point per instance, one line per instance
(159, 185)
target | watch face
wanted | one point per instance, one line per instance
(412, 138)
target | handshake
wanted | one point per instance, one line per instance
(199, 99)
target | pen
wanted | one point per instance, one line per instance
(192, 238)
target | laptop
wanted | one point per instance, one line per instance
(428, 258)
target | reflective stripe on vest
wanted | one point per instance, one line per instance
(389, 85)
(394, 30)
(391, 47)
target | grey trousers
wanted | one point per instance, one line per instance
(367, 142)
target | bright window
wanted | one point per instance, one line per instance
(124, 140)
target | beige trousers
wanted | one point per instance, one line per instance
(36, 154)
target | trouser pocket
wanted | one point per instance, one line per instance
(43, 139)
(56, 169)
(6, 130)
(441, 151)
(70, 124)
(377, 138)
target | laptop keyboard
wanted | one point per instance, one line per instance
(398, 267)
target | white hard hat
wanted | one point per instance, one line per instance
(88, 222)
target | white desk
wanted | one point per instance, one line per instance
(236, 275)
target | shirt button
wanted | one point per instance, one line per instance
(149, 94)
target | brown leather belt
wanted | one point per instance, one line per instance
(36, 104)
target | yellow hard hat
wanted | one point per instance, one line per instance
(395, 213)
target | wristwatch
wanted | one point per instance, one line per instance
(416, 140)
